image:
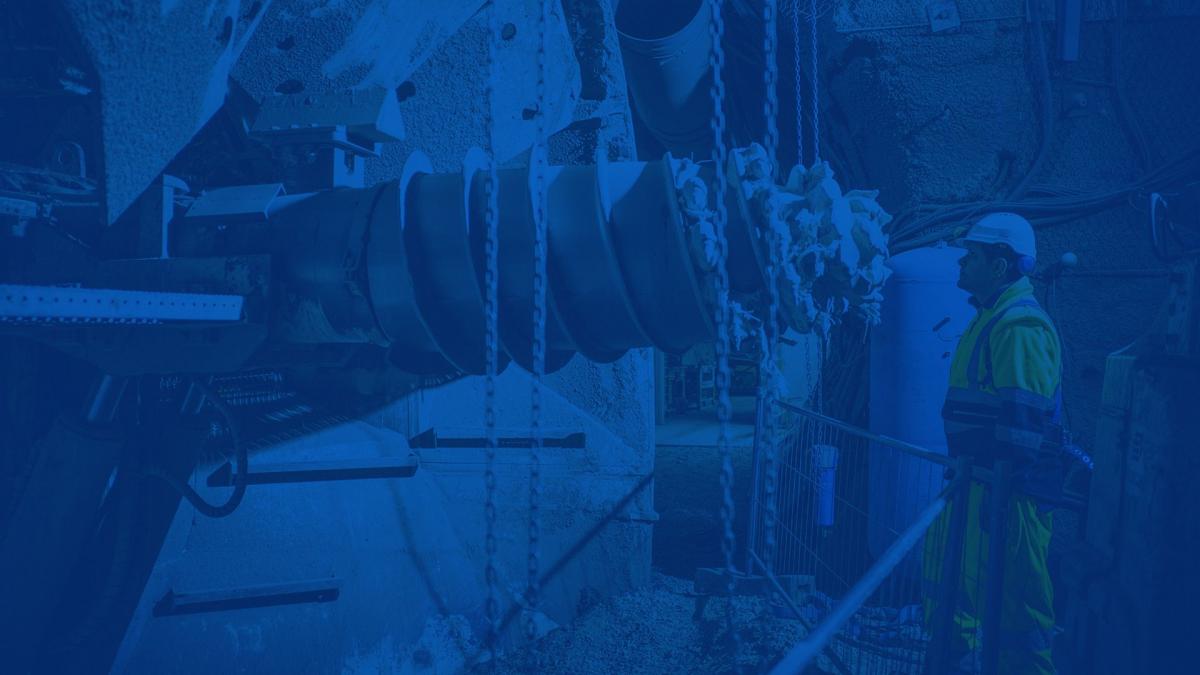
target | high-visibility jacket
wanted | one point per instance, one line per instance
(1005, 395)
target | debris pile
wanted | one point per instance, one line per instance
(667, 627)
(830, 243)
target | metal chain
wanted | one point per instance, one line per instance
(767, 368)
(722, 311)
(796, 72)
(819, 394)
(770, 81)
(538, 160)
(771, 78)
(491, 338)
(816, 106)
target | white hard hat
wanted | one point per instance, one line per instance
(1004, 228)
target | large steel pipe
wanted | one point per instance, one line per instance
(665, 46)
(619, 271)
(445, 244)
(317, 240)
(590, 290)
(516, 229)
(401, 264)
(647, 231)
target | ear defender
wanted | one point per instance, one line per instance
(1026, 264)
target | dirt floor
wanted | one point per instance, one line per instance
(663, 628)
(668, 628)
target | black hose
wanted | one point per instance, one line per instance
(239, 477)
(1047, 102)
(925, 225)
(1125, 114)
(125, 517)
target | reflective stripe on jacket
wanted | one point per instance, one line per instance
(1004, 399)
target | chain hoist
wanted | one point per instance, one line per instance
(537, 161)
(722, 310)
(491, 301)
(769, 365)
(770, 82)
(826, 435)
(816, 105)
(822, 435)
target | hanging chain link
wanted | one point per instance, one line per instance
(768, 366)
(796, 73)
(538, 159)
(771, 81)
(816, 106)
(722, 311)
(491, 336)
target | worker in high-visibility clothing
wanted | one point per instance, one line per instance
(1003, 403)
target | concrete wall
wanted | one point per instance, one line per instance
(161, 71)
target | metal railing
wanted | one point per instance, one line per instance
(865, 526)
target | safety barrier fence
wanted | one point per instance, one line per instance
(854, 531)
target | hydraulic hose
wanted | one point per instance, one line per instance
(240, 454)
(1046, 104)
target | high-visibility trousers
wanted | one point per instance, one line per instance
(1027, 610)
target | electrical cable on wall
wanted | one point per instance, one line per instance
(1160, 226)
(926, 224)
(1125, 113)
(1046, 103)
